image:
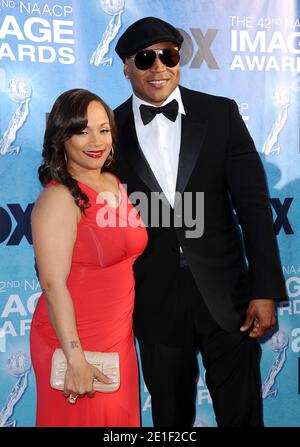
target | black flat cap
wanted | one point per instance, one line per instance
(146, 32)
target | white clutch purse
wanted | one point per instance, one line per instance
(106, 362)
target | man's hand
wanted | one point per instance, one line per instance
(262, 315)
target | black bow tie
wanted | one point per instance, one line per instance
(170, 110)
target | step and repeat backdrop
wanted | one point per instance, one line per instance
(247, 50)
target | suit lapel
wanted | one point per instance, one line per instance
(192, 136)
(135, 156)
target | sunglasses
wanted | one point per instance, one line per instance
(146, 58)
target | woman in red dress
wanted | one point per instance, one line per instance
(86, 237)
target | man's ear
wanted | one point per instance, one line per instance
(126, 70)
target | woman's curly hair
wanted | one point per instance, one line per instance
(68, 116)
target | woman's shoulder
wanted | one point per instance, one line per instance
(55, 189)
(55, 196)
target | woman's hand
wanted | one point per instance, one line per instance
(79, 379)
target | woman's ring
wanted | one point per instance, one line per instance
(72, 398)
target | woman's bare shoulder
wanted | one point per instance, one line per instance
(55, 197)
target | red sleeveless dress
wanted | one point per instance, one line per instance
(101, 284)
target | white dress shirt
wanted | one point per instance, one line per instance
(160, 143)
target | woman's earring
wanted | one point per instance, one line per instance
(66, 158)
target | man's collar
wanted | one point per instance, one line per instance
(136, 102)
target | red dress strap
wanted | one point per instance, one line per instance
(52, 182)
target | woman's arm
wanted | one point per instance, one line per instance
(54, 228)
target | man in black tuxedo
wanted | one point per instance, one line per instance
(210, 289)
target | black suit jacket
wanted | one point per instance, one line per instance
(230, 266)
